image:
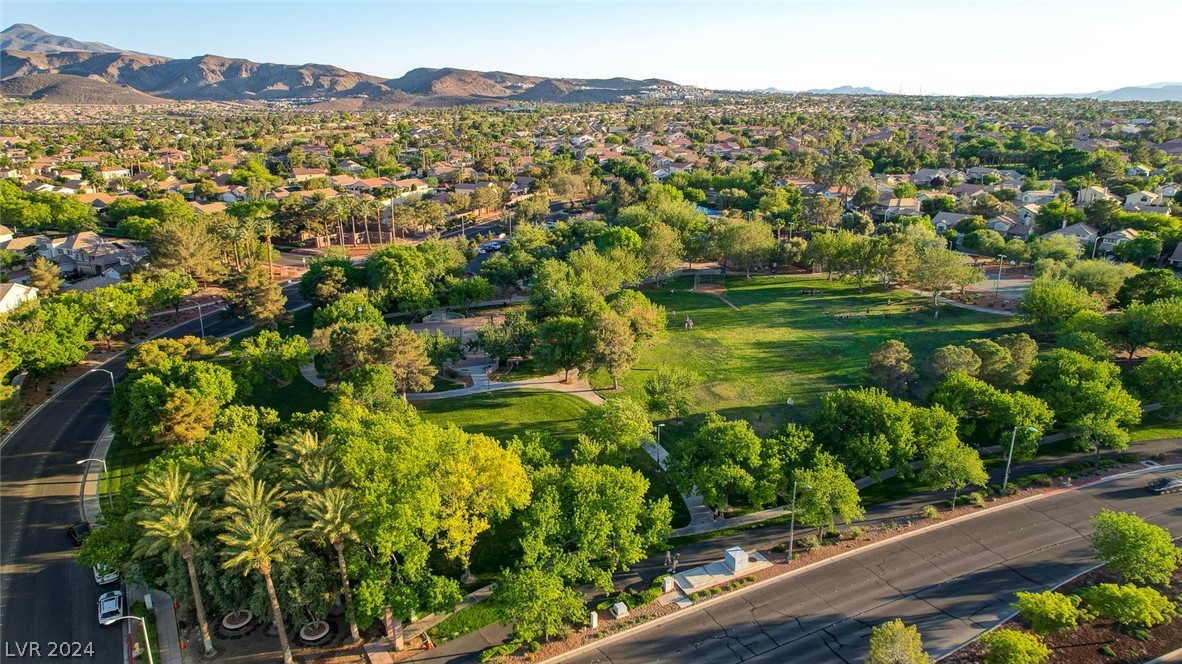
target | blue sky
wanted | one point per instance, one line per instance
(939, 46)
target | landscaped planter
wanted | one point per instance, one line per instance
(315, 631)
(237, 620)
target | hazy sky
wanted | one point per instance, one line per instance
(940, 46)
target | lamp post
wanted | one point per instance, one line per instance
(659, 427)
(109, 375)
(143, 626)
(1001, 263)
(201, 318)
(1010, 457)
(792, 523)
(103, 463)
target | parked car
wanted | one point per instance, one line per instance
(110, 607)
(104, 575)
(1164, 485)
(78, 532)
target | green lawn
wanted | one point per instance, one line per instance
(1155, 425)
(299, 396)
(126, 462)
(464, 621)
(504, 414)
(781, 344)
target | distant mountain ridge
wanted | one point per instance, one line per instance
(80, 70)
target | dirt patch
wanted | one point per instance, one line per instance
(716, 290)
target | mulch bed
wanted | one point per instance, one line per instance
(1084, 644)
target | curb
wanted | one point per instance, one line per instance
(841, 556)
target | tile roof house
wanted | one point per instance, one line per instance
(1085, 233)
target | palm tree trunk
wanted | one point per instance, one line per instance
(340, 547)
(277, 615)
(198, 604)
(270, 258)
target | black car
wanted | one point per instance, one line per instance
(78, 532)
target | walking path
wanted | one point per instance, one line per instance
(168, 637)
(308, 371)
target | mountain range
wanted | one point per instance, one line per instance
(1150, 92)
(38, 65)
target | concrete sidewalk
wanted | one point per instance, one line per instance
(90, 504)
(168, 638)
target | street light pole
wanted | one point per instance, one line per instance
(792, 523)
(143, 626)
(1001, 263)
(201, 317)
(659, 427)
(103, 462)
(109, 374)
(1010, 457)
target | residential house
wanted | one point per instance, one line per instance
(305, 174)
(1168, 190)
(1088, 195)
(1139, 200)
(114, 172)
(935, 177)
(896, 207)
(1027, 213)
(946, 220)
(1010, 226)
(1036, 196)
(1176, 257)
(1111, 241)
(12, 294)
(1081, 231)
(6, 236)
(1137, 171)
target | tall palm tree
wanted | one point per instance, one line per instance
(256, 542)
(266, 226)
(332, 513)
(171, 526)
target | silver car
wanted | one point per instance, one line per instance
(110, 607)
(1166, 485)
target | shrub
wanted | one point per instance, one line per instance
(1127, 458)
(497, 653)
(977, 499)
(809, 543)
(857, 532)
(1050, 612)
(893, 642)
(1010, 646)
(1134, 549)
(1130, 605)
(931, 512)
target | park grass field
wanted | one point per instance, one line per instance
(780, 344)
(503, 414)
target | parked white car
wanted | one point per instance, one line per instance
(110, 607)
(104, 575)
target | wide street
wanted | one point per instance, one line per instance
(952, 581)
(44, 595)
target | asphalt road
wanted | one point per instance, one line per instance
(953, 582)
(44, 595)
